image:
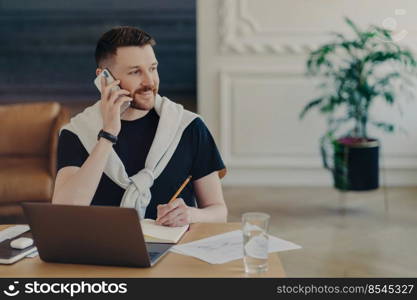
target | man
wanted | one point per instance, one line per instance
(143, 154)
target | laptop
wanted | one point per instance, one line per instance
(99, 235)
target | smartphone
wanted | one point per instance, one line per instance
(109, 79)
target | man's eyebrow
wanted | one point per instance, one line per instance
(138, 67)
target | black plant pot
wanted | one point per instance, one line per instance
(356, 164)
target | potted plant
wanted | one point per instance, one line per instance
(355, 73)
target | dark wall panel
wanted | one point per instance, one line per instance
(47, 47)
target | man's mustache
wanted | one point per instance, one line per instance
(145, 89)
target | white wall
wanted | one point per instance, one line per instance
(251, 85)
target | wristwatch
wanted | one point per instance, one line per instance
(107, 136)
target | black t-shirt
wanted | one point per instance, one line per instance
(196, 155)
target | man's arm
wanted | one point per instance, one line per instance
(210, 201)
(211, 205)
(76, 186)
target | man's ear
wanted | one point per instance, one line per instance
(98, 71)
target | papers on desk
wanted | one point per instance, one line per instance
(222, 248)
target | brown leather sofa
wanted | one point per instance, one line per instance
(28, 146)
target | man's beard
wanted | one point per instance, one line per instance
(143, 102)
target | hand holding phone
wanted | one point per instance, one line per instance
(114, 101)
(109, 79)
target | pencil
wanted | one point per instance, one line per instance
(180, 189)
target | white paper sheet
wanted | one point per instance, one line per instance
(226, 247)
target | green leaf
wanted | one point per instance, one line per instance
(407, 58)
(387, 78)
(309, 106)
(385, 33)
(353, 26)
(329, 107)
(389, 97)
(387, 127)
(378, 57)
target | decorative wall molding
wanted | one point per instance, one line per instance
(260, 50)
(283, 160)
(241, 33)
(235, 21)
(231, 155)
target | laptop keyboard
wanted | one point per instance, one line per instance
(153, 255)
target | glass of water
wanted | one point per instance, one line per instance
(255, 241)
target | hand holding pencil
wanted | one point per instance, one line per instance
(175, 212)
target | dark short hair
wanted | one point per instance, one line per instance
(121, 36)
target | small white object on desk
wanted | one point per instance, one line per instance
(9, 255)
(21, 243)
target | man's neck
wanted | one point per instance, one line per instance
(132, 114)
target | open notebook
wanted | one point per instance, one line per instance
(154, 233)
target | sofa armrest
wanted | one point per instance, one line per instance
(62, 119)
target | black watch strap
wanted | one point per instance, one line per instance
(107, 136)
